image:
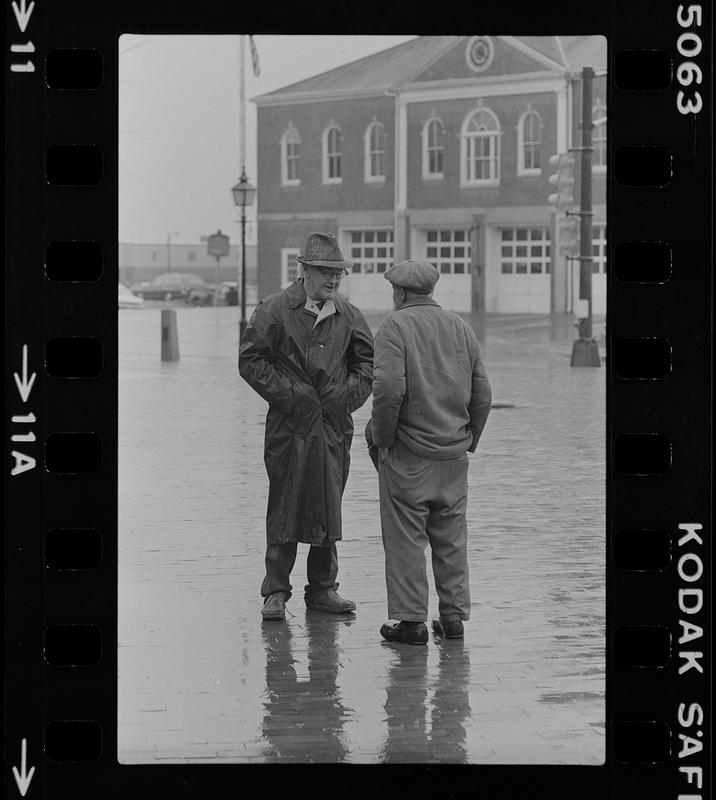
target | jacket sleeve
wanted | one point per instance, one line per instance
(481, 394)
(388, 383)
(359, 358)
(257, 357)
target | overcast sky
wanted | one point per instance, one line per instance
(179, 122)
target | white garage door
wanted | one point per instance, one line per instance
(371, 252)
(524, 277)
(449, 250)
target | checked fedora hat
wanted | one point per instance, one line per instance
(322, 251)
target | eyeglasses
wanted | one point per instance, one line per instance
(327, 272)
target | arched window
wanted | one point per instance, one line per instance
(290, 156)
(529, 143)
(332, 152)
(433, 149)
(599, 136)
(375, 153)
(480, 149)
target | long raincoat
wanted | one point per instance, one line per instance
(314, 375)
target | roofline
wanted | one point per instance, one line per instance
(316, 96)
(426, 65)
(561, 50)
(532, 53)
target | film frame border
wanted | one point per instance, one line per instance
(650, 710)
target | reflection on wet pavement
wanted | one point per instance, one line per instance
(303, 718)
(426, 718)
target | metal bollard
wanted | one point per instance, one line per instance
(170, 335)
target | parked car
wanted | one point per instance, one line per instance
(228, 294)
(127, 298)
(169, 286)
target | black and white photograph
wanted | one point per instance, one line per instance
(362, 481)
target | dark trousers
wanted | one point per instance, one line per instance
(321, 569)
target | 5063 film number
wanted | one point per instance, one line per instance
(689, 73)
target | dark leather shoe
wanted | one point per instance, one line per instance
(449, 628)
(274, 607)
(330, 601)
(405, 632)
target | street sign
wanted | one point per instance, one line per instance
(218, 245)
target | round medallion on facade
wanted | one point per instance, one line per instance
(479, 53)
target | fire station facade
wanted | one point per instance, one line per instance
(435, 149)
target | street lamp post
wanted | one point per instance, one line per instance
(243, 193)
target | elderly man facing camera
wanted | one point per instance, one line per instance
(431, 398)
(309, 353)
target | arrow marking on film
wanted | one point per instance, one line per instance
(22, 14)
(23, 777)
(24, 386)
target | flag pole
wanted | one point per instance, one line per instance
(242, 171)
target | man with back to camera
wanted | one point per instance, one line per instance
(309, 353)
(431, 399)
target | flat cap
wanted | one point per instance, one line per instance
(417, 276)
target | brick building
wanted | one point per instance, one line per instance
(437, 148)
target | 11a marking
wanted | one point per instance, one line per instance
(24, 382)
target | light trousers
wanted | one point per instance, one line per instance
(423, 501)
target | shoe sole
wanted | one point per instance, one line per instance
(331, 610)
(273, 618)
(402, 641)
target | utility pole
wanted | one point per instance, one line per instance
(585, 351)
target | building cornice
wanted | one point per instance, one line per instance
(527, 82)
(458, 89)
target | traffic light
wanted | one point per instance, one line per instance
(567, 236)
(563, 180)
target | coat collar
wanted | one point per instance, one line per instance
(296, 296)
(420, 301)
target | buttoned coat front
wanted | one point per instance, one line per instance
(313, 375)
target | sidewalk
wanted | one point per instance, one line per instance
(201, 679)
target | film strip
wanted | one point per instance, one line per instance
(61, 389)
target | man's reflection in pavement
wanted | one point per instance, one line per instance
(451, 704)
(410, 694)
(303, 720)
(406, 697)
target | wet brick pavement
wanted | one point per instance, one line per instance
(202, 680)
